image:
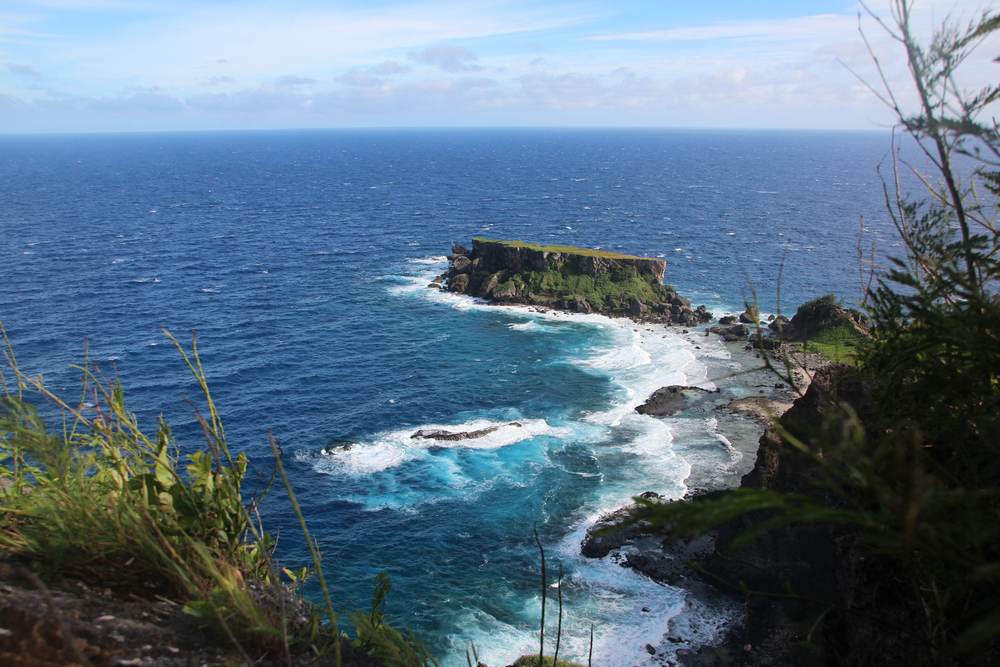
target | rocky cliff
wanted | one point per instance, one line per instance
(517, 256)
(567, 278)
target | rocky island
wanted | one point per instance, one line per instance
(581, 280)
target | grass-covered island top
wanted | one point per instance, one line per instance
(562, 249)
(567, 278)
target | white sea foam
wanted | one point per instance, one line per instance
(389, 449)
(439, 259)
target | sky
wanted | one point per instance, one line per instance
(123, 65)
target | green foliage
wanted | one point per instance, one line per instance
(105, 498)
(822, 309)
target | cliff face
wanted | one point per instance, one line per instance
(567, 278)
(500, 255)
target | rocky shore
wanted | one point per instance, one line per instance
(820, 563)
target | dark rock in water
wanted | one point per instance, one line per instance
(581, 306)
(462, 263)
(667, 401)
(602, 540)
(334, 448)
(751, 316)
(740, 330)
(636, 307)
(459, 283)
(727, 320)
(459, 249)
(780, 323)
(730, 338)
(437, 434)
(678, 300)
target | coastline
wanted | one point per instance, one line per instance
(746, 398)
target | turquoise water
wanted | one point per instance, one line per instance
(302, 260)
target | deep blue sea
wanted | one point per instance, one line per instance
(302, 261)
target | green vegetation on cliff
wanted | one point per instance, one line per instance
(827, 328)
(607, 290)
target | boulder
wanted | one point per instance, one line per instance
(750, 316)
(727, 320)
(489, 283)
(780, 323)
(581, 306)
(678, 300)
(462, 263)
(740, 330)
(636, 308)
(459, 283)
(459, 249)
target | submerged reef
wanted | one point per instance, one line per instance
(567, 278)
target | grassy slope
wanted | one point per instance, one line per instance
(838, 343)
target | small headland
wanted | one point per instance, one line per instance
(580, 280)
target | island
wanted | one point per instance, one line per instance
(581, 280)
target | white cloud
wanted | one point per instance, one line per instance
(448, 58)
(350, 67)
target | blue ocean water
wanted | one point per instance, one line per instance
(302, 261)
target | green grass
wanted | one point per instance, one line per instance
(839, 343)
(567, 249)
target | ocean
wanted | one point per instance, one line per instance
(302, 259)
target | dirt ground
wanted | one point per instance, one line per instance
(68, 623)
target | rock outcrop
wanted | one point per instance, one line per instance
(566, 278)
(667, 401)
(438, 434)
